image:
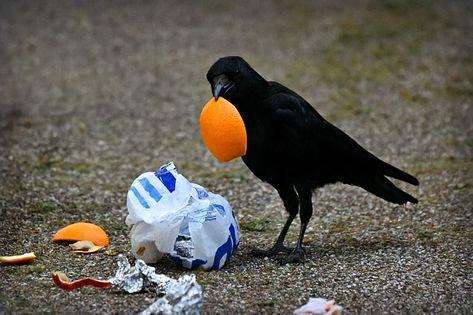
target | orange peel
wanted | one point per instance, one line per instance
(84, 247)
(18, 259)
(62, 281)
(223, 130)
(82, 231)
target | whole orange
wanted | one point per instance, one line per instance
(223, 130)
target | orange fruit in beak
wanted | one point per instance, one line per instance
(223, 130)
(82, 231)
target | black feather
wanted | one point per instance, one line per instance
(394, 172)
(382, 187)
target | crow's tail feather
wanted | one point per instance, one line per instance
(391, 171)
(383, 188)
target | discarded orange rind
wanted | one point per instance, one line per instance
(18, 259)
(82, 231)
(62, 281)
(84, 247)
(223, 130)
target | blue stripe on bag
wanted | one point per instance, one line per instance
(139, 197)
(219, 208)
(150, 189)
(226, 249)
(167, 179)
(233, 236)
(196, 263)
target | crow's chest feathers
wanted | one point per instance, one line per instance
(268, 148)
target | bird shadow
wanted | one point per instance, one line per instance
(353, 246)
(316, 250)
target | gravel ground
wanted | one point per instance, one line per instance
(92, 94)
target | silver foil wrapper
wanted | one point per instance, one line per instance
(182, 296)
(184, 246)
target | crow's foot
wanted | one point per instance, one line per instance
(296, 257)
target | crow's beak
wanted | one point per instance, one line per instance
(221, 86)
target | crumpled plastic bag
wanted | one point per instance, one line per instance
(171, 216)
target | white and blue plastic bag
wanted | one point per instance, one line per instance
(171, 216)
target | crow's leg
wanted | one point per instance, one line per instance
(278, 247)
(305, 212)
(291, 203)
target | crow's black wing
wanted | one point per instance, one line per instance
(326, 145)
(296, 116)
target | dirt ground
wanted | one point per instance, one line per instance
(94, 93)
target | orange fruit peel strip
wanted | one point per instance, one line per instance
(62, 281)
(18, 259)
(82, 231)
(223, 130)
(85, 247)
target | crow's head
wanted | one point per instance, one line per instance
(233, 78)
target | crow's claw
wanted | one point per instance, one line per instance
(294, 258)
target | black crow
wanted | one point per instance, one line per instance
(293, 148)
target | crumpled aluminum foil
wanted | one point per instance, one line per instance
(184, 296)
(184, 246)
(181, 296)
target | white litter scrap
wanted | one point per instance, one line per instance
(319, 306)
(181, 296)
(172, 217)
